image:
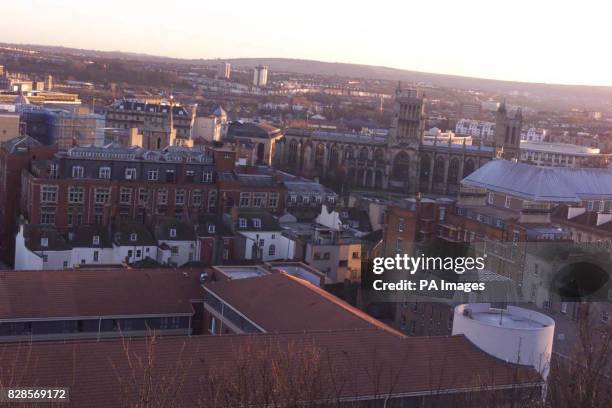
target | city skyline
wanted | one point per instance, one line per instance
(521, 44)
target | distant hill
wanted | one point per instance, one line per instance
(564, 94)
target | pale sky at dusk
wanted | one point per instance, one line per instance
(535, 40)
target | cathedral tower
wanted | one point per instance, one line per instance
(508, 132)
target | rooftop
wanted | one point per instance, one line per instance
(279, 302)
(544, 184)
(93, 369)
(94, 293)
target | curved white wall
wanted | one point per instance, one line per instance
(525, 337)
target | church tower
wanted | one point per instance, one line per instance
(508, 132)
(404, 141)
(408, 121)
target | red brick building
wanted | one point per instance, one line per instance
(15, 155)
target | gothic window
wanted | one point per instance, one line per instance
(401, 166)
(439, 169)
(425, 166)
(453, 171)
(468, 167)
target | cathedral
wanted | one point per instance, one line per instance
(402, 161)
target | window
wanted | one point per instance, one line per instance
(515, 236)
(207, 177)
(173, 232)
(77, 172)
(242, 222)
(104, 173)
(259, 199)
(44, 242)
(211, 228)
(604, 317)
(130, 173)
(272, 250)
(138, 253)
(75, 195)
(212, 201)
(590, 205)
(196, 198)
(189, 175)
(245, 199)
(179, 197)
(47, 216)
(95, 256)
(508, 202)
(102, 195)
(490, 198)
(401, 225)
(125, 196)
(162, 197)
(212, 325)
(133, 237)
(273, 200)
(96, 240)
(48, 194)
(442, 214)
(174, 250)
(564, 307)
(153, 175)
(143, 196)
(53, 171)
(170, 176)
(399, 245)
(355, 255)
(256, 222)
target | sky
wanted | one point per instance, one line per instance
(557, 41)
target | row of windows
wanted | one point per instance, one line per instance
(259, 200)
(151, 175)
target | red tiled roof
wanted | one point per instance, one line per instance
(112, 292)
(280, 302)
(356, 363)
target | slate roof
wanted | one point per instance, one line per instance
(545, 184)
(33, 234)
(401, 366)
(92, 293)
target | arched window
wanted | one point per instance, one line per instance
(319, 156)
(363, 153)
(468, 167)
(272, 250)
(293, 151)
(425, 165)
(334, 157)
(453, 171)
(401, 166)
(379, 155)
(439, 169)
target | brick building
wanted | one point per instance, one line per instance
(15, 155)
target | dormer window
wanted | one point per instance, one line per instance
(96, 240)
(77, 172)
(211, 228)
(133, 236)
(44, 242)
(242, 222)
(130, 174)
(257, 222)
(173, 232)
(104, 173)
